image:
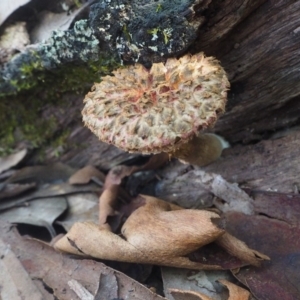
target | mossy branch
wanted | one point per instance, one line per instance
(119, 31)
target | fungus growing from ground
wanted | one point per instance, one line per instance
(164, 109)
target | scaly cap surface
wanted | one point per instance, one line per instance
(157, 110)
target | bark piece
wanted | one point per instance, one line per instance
(264, 93)
(270, 165)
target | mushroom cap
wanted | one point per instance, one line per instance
(157, 110)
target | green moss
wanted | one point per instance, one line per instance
(20, 114)
(158, 8)
(126, 33)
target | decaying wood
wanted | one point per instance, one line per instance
(261, 55)
(270, 165)
(257, 43)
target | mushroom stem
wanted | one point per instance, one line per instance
(201, 150)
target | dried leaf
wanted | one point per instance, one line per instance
(15, 189)
(280, 206)
(239, 249)
(41, 212)
(235, 292)
(235, 198)
(54, 173)
(108, 287)
(81, 207)
(12, 159)
(7, 7)
(49, 191)
(156, 233)
(204, 282)
(14, 280)
(278, 278)
(188, 295)
(213, 254)
(114, 178)
(110, 193)
(201, 185)
(86, 174)
(55, 271)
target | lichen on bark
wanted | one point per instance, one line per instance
(117, 32)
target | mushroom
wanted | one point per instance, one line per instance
(164, 109)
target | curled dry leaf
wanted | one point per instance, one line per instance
(114, 178)
(111, 190)
(87, 174)
(235, 292)
(239, 249)
(156, 233)
(188, 295)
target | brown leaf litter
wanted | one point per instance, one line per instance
(156, 233)
(28, 273)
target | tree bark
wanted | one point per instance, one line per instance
(260, 52)
(257, 43)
